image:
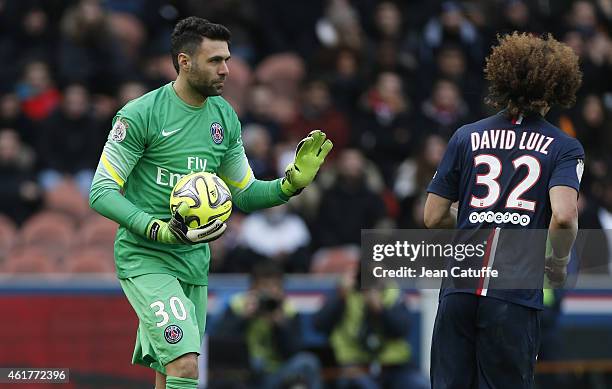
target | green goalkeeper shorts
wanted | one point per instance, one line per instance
(172, 317)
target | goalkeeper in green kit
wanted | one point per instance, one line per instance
(182, 127)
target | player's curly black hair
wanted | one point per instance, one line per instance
(189, 32)
(527, 73)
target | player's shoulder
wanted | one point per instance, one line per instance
(565, 141)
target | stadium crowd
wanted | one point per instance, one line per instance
(389, 81)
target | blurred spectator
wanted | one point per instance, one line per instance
(596, 218)
(19, 193)
(445, 110)
(37, 93)
(582, 17)
(28, 31)
(388, 22)
(12, 116)
(451, 27)
(258, 147)
(289, 26)
(278, 235)
(317, 111)
(130, 90)
(89, 52)
(349, 204)
(592, 46)
(68, 143)
(35, 35)
(386, 133)
(158, 69)
(128, 29)
(592, 126)
(393, 46)
(241, 79)
(517, 16)
(368, 331)
(340, 26)
(260, 110)
(226, 257)
(241, 17)
(283, 73)
(346, 80)
(451, 64)
(412, 178)
(270, 326)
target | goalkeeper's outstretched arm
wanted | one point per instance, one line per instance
(250, 194)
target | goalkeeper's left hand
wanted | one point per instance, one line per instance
(309, 156)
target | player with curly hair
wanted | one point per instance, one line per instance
(511, 171)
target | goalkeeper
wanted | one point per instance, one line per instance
(182, 127)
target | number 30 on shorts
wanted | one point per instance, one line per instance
(176, 306)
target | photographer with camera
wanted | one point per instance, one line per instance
(368, 330)
(270, 327)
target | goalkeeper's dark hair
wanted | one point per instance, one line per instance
(189, 32)
(527, 73)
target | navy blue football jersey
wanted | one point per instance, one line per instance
(500, 171)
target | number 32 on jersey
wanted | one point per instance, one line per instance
(490, 180)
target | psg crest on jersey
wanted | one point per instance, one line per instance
(173, 334)
(216, 132)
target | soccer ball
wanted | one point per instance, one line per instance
(207, 195)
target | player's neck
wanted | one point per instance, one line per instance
(187, 93)
(543, 111)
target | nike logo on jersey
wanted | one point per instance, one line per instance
(168, 133)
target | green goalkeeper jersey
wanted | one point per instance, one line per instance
(154, 141)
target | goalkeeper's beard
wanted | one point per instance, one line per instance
(208, 89)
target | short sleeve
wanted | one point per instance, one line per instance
(569, 166)
(445, 181)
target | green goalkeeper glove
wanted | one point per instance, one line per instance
(309, 156)
(176, 231)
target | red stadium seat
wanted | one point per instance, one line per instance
(97, 230)
(89, 260)
(52, 231)
(27, 259)
(335, 260)
(283, 72)
(67, 198)
(8, 235)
